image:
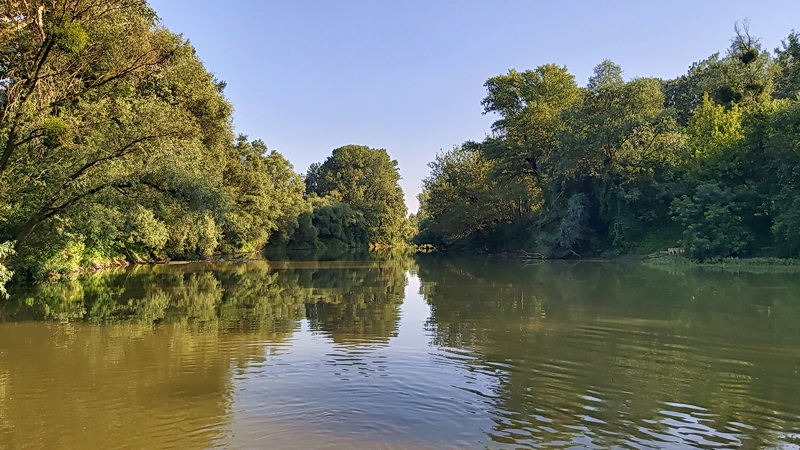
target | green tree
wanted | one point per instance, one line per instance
(530, 105)
(312, 178)
(265, 191)
(618, 141)
(744, 76)
(774, 160)
(6, 250)
(338, 225)
(53, 95)
(787, 83)
(712, 219)
(366, 179)
(460, 197)
(101, 104)
(116, 143)
(712, 128)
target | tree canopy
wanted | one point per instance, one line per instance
(116, 144)
(705, 161)
(367, 180)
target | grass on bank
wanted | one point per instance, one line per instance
(749, 265)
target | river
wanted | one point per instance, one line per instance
(402, 352)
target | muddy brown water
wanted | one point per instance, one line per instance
(402, 353)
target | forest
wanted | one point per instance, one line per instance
(708, 162)
(117, 146)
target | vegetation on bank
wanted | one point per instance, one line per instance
(748, 265)
(707, 162)
(116, 144)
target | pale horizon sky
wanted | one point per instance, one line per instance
(308, 76)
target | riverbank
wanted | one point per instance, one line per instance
(751, 265)
(675, 262)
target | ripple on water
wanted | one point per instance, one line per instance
(479, 367)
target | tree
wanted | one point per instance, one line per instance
(325, 226)
(312, 178)
(366, 179)
(116, 142)
(460, 197)
(744, 76)
(712, 129)
(712, 220)
(530, 105)
(6, 250)
(616, 140)
(787, 84)
(338, 225)
(97, 98)
(265, 192)
(775, 163)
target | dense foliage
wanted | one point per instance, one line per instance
(366, 180)
(116, 145)
(707, 162)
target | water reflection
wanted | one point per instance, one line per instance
(390, 351)
(355, 302)
(607, 354)
(149, 355)
(77, 386)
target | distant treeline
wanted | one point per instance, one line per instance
(116, 144)
(708, 161)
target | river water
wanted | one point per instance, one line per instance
(392, 352)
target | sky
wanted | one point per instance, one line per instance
(308, 76)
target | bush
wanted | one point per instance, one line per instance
(713, 225)
(6, 250)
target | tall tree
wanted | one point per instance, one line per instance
(787, 84)
(6, 250)
(96, 96)
(744, 75)
(460, 197)
(265, 191)
(367, 180)
(530, 106)
(616, 136)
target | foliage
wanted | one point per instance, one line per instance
(712, 218)
(787, 83)
(328, 224)
(145, 232)
(713, 129)
(531, 106)
(460, 197)
(776, 142)
(265, 191)
(744, 76)
(6, 250)
(709, 160)
(116, 143)
(366, 180)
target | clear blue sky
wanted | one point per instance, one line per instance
(309, 76)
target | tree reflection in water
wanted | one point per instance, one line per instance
(611, 354)
(179, 334)
(584, 354)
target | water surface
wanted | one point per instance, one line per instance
(394, 352)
